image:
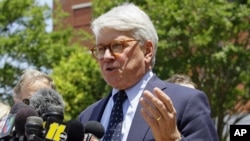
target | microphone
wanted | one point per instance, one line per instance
(34, 128)
(54, 112)
(56, 131)
(15, 121)
(45, 98)
(93, 131)
(75, 130)
(17, 106)
(54, 125)
(50, 106)
(20, 120)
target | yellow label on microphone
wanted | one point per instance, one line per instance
(55, 131)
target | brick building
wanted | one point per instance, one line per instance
(80, 15)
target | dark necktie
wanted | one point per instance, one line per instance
(113, 132)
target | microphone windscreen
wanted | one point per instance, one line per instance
(75, 130)
(17, 106)
(44, 98)
(21, 117)
(94, 128)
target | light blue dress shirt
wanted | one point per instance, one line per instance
(129, 106)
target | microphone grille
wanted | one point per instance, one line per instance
(94, 128)
(34, 125)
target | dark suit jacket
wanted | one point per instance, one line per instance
(192, 107)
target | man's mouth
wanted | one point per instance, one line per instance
(110, 68)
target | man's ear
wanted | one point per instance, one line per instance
(148, 49)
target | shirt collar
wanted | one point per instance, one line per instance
(136, 90)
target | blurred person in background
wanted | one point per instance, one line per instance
(182, 79)
(4, 109)
(30, 82)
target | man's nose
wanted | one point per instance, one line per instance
(108, 53)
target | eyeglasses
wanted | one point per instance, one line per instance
(115, 47)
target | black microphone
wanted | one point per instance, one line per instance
(50, 106)
(75, 130)
(34, 128)
(55, 130)
(54, 112)
(54, 125)
(45, 98)
(20, 120)
(93, 130)
(17, 106)
(8, 132)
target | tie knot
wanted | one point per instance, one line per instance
(121, 96)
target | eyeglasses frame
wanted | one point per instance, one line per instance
(109, 47)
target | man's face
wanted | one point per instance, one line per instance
(29, 89)
(122, 70)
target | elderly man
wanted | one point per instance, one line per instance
(141, 107)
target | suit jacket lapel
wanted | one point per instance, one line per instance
(99, 109)
(139, 128)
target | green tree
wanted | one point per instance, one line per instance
(209, 40)
(24, 42)
(78, 79)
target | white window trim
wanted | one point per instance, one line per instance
(82, 5)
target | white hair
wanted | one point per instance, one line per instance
(128, 18)
(29, 76)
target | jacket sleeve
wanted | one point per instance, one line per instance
(195, 123)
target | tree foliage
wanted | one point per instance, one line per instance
(208, 40)
(25, 43)
(79, 81)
